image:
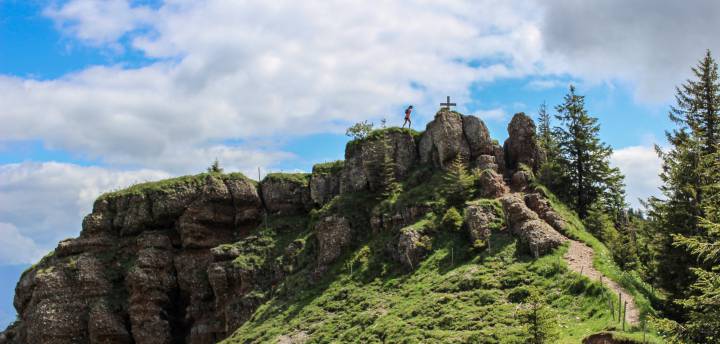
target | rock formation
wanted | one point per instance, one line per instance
(521, 146)
(450, 134)
(364, 159)
(534, 233)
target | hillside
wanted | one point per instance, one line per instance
(395, 244)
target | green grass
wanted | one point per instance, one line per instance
(331, 167)
(455, 296)
(378, 134)
(166, 185)
(642, 292)
(296, 178)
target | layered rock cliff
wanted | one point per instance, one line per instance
(189, 260)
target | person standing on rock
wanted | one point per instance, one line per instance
(407, 117)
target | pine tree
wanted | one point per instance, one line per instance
(215, 167)
(539, 319)
(686, 174)
(544, 132)
(458, 182)
(583, 158)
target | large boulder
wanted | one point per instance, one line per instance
(542, 207)
(521, 146)
(412, 247)
(286, 193)
(333, 234)
(450, 134)
(533, 233)
(477, 136)
(490, 184)
(364, 159)
(480, 220)
(325, 181)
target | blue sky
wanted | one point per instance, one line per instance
(97, 95)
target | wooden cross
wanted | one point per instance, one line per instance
(448, 104)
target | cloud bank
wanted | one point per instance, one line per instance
(233, 80)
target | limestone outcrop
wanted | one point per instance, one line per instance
(521, 146)
(364, 159)
(479, 221)
(136, 273)
(533, 233)
(452, 133)
(286, 193)
(333, 233)
(325, 182)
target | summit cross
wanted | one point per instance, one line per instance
(447, 103)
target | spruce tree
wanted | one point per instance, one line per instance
(458, 182)
(540, 321)
(584, 159)
(687, 173)
(545, 136)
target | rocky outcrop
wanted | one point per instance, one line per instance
(286, 193)
(542, 207)
(364, 159)
(412, 247)
(404, 216)
(325, 182)
(333, 234)
(490, 184)
(479, 221)
(450, 134)
(532, 232)
(138, 271)
(521, 145)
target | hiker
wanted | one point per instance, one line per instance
(407, 117)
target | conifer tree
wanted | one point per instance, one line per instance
(688, 173)
(584, 159)
(215, 167)
(458, 182)
(539, 319)
(544, 132)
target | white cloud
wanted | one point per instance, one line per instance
(641, 167)
(650, 44)
(496, 114)
(17, 248)
(99, 21)
(259, 70)
(42, 203)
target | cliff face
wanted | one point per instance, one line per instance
(188, 260)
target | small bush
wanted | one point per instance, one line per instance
(359, 130)
(519, 294)
(452, 220)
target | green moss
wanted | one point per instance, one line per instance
(170, 184)
(296, 178)
(331, 167)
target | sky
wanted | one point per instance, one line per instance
(98, 95)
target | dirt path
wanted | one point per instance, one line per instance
(579, 259)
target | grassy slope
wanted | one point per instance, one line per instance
(455, 296)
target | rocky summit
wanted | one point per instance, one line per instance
(213, 257)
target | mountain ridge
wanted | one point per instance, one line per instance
(191, 259)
